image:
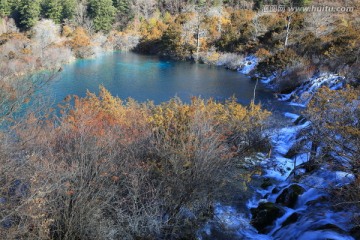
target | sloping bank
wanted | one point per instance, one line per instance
(293, 201)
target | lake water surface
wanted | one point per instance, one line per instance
(149, 78)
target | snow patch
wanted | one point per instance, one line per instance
(230, 218)
(250, 64)
(269, 79)
(302, 95)
(292, 116)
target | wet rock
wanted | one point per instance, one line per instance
(266, 183)
(290, 195)
(319, 200)
(291, 219)
(276, 190)
(355, 232)
(331, 227)
(292, 152)
(265, 215)
(300, 120)
(295, 149)
(311, 167)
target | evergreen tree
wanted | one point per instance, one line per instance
(258, 4)
(5, 8)
(201, 3)
(300, 3)
(217, 3)
(123, 6)
(103, 14)
(29, 13)
(53, 10)
(124, 12)
(68, 9)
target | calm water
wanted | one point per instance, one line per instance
(148, 78)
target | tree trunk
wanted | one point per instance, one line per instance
(287, 31)
(197, 44)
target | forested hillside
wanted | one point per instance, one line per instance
(290, 44)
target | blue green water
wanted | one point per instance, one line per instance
(149, 78)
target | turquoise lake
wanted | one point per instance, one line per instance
(149, 78)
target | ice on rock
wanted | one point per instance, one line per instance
(250, 64)
(292, 116)
(302, 95)
(269, 79)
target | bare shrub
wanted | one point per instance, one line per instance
(231, 60)
(124, 41)
(125, 170)
(334, 116)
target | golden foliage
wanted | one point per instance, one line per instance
(337, 110)
(80, 38)
(335, 118)
(262, 53)
(67, 31)
(98, 114)
(152, 29)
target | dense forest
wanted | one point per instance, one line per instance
(213, 32)
(105, 168)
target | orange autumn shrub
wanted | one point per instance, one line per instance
(107, 164)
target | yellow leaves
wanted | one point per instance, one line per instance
(80, 38)
(26, 51)
(223, 117)
(97, 115)
(213, 57)
(67, 31)
(336, 111)
(236, 111)
(152, 22)
(152, 29)
(168, 17)
(225, 21)
(262, 53)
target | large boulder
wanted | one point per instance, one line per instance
(290, 195)
(355, 232)
(291, 219)
(266, 183)
(265, 215)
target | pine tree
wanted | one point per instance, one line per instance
(5, 8)
(201, 3)
(123, 6)
(53, 10)
(103, 14)
(68, 9)
(29, 12)
(258, 4)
